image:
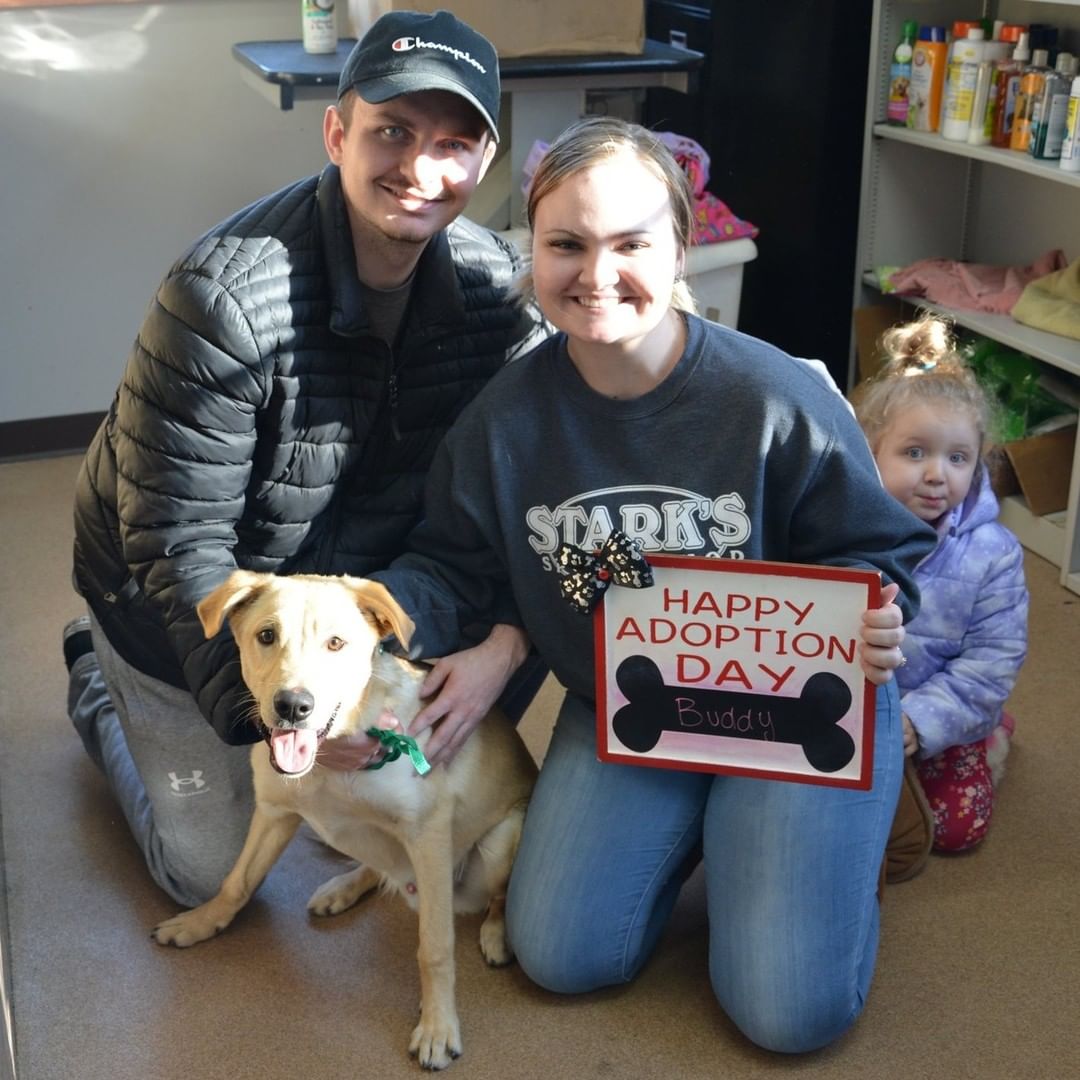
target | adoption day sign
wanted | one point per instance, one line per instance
(738, 666)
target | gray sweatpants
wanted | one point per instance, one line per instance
(186, 795)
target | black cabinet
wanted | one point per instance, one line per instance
(683, 26)
(779, 108)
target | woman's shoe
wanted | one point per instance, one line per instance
(912, 832)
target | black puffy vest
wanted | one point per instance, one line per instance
(260, 425)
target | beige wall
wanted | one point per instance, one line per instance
(126, 130)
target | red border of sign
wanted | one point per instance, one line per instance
(872, 580)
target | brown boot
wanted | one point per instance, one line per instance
(912, 830)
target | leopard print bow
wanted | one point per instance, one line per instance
(587, 575)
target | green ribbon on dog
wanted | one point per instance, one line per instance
(395, 746)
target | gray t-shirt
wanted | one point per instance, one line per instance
(386, 308)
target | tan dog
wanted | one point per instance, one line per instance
(310, 655)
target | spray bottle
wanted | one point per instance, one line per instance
(900, 75)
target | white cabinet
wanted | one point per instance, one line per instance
(924, 196)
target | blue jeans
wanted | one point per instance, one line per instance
(791, 874)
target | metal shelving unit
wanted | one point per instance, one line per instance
(924, 196)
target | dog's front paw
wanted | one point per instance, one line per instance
(493, 943)
(334, 896)
(436, 1041)
(191, 927)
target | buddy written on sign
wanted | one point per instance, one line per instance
(738, 666)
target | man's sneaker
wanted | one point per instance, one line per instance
(77, 641)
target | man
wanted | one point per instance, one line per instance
(279, 411)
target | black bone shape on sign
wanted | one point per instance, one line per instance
(809, 721)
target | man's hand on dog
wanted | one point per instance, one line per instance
(464, 687)
(358, 751)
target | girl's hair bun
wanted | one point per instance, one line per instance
(924, 348)
(917, 346)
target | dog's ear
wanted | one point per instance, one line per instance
(389, 614)
(215, 607)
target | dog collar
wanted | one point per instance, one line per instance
(396, 745)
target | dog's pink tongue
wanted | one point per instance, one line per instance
(293, 750)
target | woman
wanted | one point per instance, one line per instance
(710, 443)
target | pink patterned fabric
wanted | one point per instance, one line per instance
(713, 219)
(973, 286)
(960, 789)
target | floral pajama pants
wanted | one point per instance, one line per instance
(960, 791)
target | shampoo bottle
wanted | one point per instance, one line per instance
(1008, 86)
(995, 52)
(960, 84)
(928, 61)
(900, 75)
(979, 131)
(1070, 148)
(1000, 50)
(1052, 113)
(319, 25)
(1031, 84)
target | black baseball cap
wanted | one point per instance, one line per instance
(408, 51)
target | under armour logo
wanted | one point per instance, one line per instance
(180, 784)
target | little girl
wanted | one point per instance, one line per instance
(929, 423)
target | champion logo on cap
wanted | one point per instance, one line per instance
(404, 44)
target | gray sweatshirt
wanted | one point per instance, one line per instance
(741, 451)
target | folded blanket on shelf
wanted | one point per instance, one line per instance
(1052, 302)
(973, 286)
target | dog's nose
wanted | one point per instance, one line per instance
(294, 706)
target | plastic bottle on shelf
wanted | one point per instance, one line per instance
(1070, 148)
(960, 83)
(979, 130)
(1008, 86)
(1000, 47)
(998, 54)
(1031, 85)
(900, 75)
(928, 61)
(318, 22)
(1053, 108)
(957, 32)
(960, 28)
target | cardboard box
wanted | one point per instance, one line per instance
(1039, 468)
(546, 27)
